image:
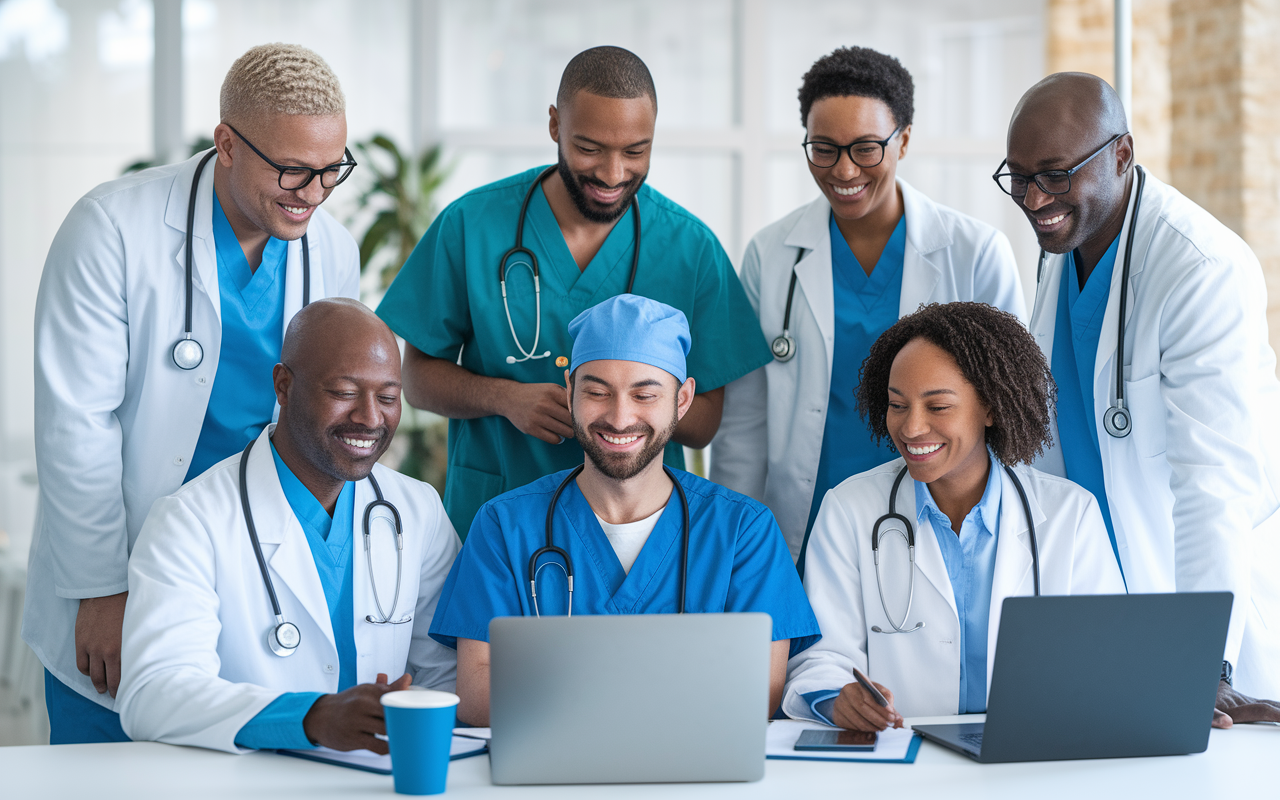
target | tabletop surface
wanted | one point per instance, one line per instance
(1240, 763)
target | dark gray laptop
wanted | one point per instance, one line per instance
(1099, 676)
(643, 698)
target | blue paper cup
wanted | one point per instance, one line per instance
(419, 732)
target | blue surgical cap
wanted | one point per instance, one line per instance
(629, 327)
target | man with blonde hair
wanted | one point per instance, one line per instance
(160, 316)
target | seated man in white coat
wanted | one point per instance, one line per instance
(271, 619)
(963, 393)
(1176, 435)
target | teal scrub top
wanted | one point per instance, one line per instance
(738, 562)
(865, 307)
(243, 399)
(1077, 329)
(447, 302)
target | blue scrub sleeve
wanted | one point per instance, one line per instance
(427, 303)
(279, 725)
(727, 341)
(482, 584)
(822, 703)
(765, 579)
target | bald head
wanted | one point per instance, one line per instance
(1058, 126)
(338, 385)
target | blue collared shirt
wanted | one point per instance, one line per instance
(970, 558)
(242, 400)
(865, 307)
(279, 725)
(1077, 329)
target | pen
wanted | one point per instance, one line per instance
(870, 687)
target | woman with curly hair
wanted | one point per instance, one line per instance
(833, 275)
(963, 393)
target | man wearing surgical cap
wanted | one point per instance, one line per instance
(619, 515)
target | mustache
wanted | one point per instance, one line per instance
(639, 428)
(359, 432)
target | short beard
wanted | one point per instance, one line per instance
(619, 466)
(584, 205)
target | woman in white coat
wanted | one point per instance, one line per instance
(830, 277)
(963, 392)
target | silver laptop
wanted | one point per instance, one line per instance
(646, 698)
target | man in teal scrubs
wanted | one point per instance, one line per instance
(492, 359)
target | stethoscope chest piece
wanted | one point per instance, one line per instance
(284, 639)
(783, 347)
(1117, 422)
(187, 353)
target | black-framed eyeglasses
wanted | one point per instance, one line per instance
(295, 178)
(867, 153)
(1053, 181)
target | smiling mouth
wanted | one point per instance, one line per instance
(619, 440)
(923, 450)
(297, 211)
(849, 191)
(1051, 221)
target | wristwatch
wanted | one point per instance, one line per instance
(1226, 672)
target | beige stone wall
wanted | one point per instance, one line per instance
(1206, 104)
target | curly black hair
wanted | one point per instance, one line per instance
(994, 352)
(859, 72)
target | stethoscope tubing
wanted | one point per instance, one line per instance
(550, 547)
(532, 264)
(910, 536)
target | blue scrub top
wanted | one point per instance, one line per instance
(243, 400)
(279, 725)
(866, 306)
(738, 562)
(446, 300)
(1077, 330)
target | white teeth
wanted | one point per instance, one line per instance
(843, 192)
(363, 444)
(619, 439)
(298, 211)
(1051, 220)
(922, 451)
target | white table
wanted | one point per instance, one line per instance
(1239, 763)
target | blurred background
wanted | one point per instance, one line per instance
(446, 95)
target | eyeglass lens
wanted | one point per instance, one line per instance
(1056, 182)
(864, 154)
(296, 178)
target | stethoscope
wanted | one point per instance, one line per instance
(783, 346)
(910, 537)
(285, 637)
(532, 265)
(187, 352)
(567, 568)
(1117, 420)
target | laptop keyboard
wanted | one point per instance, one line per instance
(974, 739)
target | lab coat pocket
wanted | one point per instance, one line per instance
(1146, 408)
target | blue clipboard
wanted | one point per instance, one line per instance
(379, 765)
(854, 757)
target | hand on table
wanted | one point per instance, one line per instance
(98, 624)
(539, 410)
(348, 720)
(1232, 707)
(856, 710)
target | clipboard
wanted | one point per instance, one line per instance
(896, 746)
(367, 761)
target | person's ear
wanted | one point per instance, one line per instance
(904, 136)
(568, 390)
(281, 380)
(684, 398)
(553, 124)
(1124, 154)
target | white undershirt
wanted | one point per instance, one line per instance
(628, 538)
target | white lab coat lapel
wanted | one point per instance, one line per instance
(1104, 367)
(204, 273)
(928, 554)
(813, 272)
(292, 566)
(926, 234)
(1012, 576)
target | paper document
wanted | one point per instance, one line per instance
(895, 744)
(370, 761)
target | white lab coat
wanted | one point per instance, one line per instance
(116, 421)
(922, 669)
(196, 666)
(771, 431)
(1193, 490)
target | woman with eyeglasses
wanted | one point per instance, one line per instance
(830, 277)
